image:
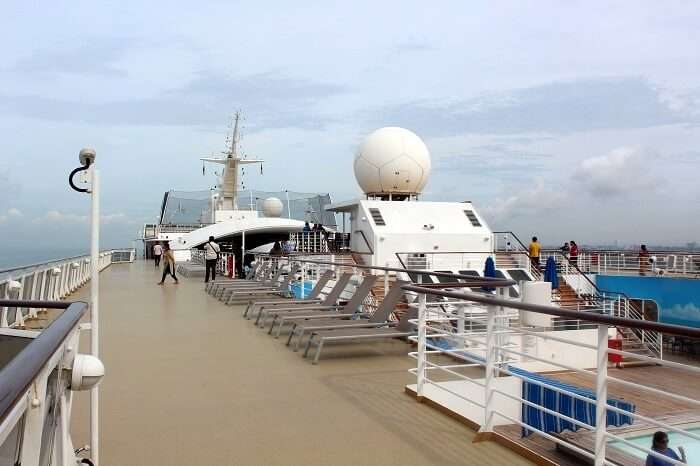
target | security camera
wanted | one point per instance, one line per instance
(87, 156)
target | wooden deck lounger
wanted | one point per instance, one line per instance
(380, 318)
(255, 304)
(348, 310)
(404, 329)
(329, 302)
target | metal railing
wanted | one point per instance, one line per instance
(313, 267)
(462, 260)
(589, 296)
(37, 376)
(49, 281)
(676, 264)
(483, 373)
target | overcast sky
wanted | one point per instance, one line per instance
(569, 120)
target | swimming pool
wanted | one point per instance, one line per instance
(692, 446)
(296, 289)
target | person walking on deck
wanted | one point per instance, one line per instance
(169, 261)
(211, 257)
(157, 252)
(534, 251)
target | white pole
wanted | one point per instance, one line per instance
(289, 210)
(601, 395)
(242, 250)
(94, 310)
(422, 342)
(490, 369)
(386, 281)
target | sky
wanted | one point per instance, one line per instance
(568, 120)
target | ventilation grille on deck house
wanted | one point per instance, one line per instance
(377, 217)
(472, 218)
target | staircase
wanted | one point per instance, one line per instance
(633, 344)
(505, 260)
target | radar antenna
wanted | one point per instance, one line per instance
(231, 162)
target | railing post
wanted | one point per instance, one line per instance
(490, 368)
(601, 395)
(422, 341)
(386, 281)
(3, 318)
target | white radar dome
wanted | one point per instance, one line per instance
(392, 160)
(272, 207)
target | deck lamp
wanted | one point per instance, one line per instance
(87, 372)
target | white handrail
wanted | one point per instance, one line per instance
(51, 281)
(486, 347)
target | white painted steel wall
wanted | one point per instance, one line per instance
(417, 226)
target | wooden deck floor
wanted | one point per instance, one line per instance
(189, 382)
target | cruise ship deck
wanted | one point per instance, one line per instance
(189, 381)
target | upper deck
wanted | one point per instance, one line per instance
(190, 382)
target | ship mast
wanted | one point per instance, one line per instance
(231, 162)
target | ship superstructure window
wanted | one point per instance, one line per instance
(472, 218)
(377, 217)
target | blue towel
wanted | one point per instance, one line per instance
(576, 408)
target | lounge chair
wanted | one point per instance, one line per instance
(319, 338)
(256, 304)
(243, 296)
(262, 274)
(348, 310)
(271, 284)
(329, 302)
(379, 318)
(249, 276)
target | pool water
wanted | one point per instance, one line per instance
(296, 289)
(692, 446)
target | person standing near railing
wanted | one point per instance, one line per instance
(534, 251)
(573, 253)
(157, 252)
(659, 444)
(643, 260)
(212, 251)
(169, 258)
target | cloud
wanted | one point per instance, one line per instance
(271, 100)
(625, 170)
(58, 217)
(13, 212)
(554, 108)
(95, 56)
(529, 201)
(497, 159)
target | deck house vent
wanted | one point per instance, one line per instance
(377, 217)
(472, 218)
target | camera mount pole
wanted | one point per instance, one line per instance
(87, 161)
(94, 308)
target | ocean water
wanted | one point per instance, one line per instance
(27, 255)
